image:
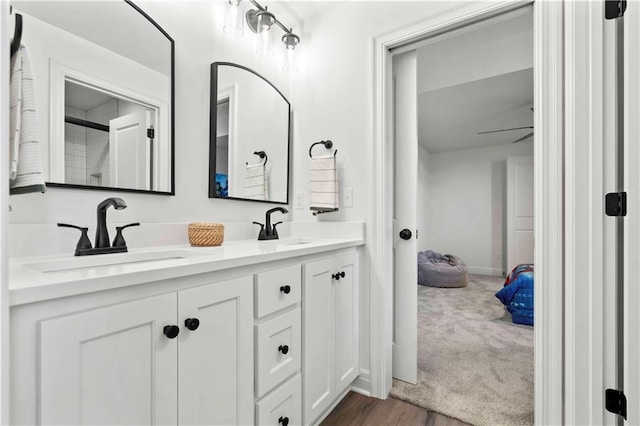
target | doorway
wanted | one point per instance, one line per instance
(549, 78)
(463, 150)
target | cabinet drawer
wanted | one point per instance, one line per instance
(277, 289)
(284, 405)
(279, 351)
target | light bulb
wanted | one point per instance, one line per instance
(265, 21)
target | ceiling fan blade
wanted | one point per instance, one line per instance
(505, 130)
(523, 138)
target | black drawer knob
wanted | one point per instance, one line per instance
(338, 276)
(171, 331)
(284, 349)
(284, 421)
(286, 289)
(192, 323)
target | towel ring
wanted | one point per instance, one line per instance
(17, 35)
(327, 144)
(261, 154)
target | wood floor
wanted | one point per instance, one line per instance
(356, 409)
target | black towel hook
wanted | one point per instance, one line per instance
(17, 34)
(261, 154)
(327, 144)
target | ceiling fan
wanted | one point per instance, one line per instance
(525, 137)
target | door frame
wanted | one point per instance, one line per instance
(549, 169)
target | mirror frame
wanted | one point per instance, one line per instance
(171, 121)
(213, 114)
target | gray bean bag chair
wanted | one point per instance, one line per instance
(437, 270)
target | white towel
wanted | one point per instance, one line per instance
(324, 184)
(255, 182)
(25, 168)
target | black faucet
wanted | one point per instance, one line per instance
(102, 235)
(83, 247)
(268, 232)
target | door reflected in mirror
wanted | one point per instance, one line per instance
(249, 139)
(109, 140)
(104, 77)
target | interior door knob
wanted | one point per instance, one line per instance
(171, 331)
(192, 323)
(284, 349)
(405, 234)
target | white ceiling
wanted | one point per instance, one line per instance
(450, 118)
(83, 98)
(476, 79)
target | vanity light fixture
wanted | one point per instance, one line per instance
(261, 21)
(234, 22)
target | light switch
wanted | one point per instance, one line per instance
(299, 201)
(348, 197)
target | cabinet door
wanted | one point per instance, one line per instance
(216, 359)
(318, 338)
(111, 365)
(346, 322)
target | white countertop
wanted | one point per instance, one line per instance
(28, 284)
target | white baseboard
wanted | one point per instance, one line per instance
(481, 270)
(331, 408)
(362, 384)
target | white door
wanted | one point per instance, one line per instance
(111, 365)
(317, 339)
(216, 359)
(405, 336)
(631, 319)
(519, 211)
(129, 151)
(345, 298)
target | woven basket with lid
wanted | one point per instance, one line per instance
(203, 234)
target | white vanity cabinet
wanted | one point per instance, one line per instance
(117, 365)
(273, 342)
(330, 331)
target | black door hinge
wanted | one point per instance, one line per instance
(151, 133)
(615, 402)
(615, 204)
(614, 8)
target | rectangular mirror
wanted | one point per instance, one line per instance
(107, 95)
(249, 136)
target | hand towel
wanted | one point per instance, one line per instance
(25, 168)
(324, 184)
(255, 182)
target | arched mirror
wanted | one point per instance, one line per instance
(104, 74)
(249, 136)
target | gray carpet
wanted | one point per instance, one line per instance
(474, 364)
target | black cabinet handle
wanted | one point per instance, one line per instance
(284, 349)
(286, 289)
(192, 323)
(284, 421)
(171, 331)
(338, 276)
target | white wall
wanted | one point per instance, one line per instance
(466, 205)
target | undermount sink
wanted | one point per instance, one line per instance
(96, 261)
